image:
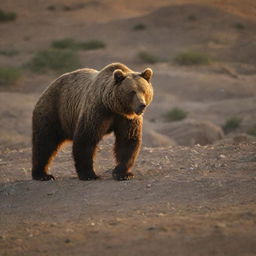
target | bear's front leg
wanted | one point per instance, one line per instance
(84, 146)
(128, 140)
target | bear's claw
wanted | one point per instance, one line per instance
(45, 177)
(122, 176)
(89, 177)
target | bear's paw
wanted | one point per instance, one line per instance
(122, 175)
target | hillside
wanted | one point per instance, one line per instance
(206, 92)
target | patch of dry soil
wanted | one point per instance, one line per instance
(183, 201)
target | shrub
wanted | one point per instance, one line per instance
(175, 114)
(9, 53)
(9, 75)
(147, 57)
(191, 57)
(139, 26)
(192, 17)
(252, 131)
(91, 45)
(7, 16)
(239, 26)
(54, 59)
(69, 43)
(64, 43)
(232, 124)
(51, 8)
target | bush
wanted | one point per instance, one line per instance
(69, 43)
(51, 8)
(147, 57)
(139, 26)
(252, 131)
(232, 124)
(7, 16)
(91, 45)
(9, 75)
(175, 114)
(192, 17)
(239, 26)
(191, 58)
(64, 43)
(9, 53)
(54, 59)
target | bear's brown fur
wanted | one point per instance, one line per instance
(83, 106)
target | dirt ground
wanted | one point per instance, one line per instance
(194, 191)
(183, 201)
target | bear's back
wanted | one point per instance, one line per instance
(73, 89)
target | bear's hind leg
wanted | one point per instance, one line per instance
(45, 147)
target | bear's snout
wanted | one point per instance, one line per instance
(140, 109)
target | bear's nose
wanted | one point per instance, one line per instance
(142, 106)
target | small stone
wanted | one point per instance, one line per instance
(67, 241)
(163, 229)
(51, 193)
(113, 223)
(220, 225)
(222, 156)
(69, 230)
(149, 185)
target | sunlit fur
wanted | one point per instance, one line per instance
(74, 100)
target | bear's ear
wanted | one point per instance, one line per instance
(119, 75)
(147, 74)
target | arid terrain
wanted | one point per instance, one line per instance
(194, 191)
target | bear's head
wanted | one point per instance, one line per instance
(132, 91)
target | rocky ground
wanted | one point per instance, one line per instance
(183, 201)
(194, 190)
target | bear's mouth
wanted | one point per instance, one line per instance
(139, 112)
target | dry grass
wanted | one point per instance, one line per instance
(232, 124)
(191, 57)
(9, 52)
(147, 57)
(7, 16)
(139, 26)
(54, 59)
(239, 26)
(70, 43)
(252, 131)
(175, 114)
(9, 75)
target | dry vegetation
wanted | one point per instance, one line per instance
(9, 75)
(191, 57)
(175, 114)
(54, 59)
(7, 16)
(69, 43)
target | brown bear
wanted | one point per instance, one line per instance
(83, 106)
